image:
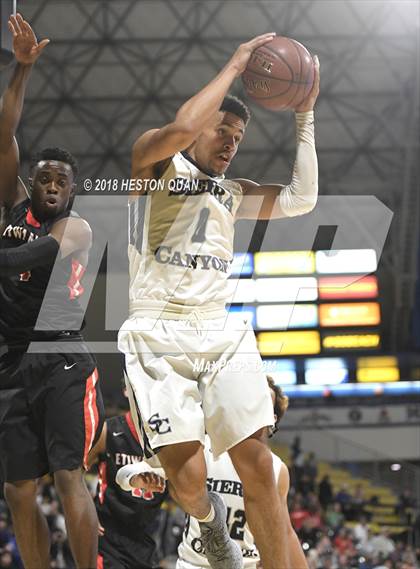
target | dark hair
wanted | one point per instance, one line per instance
(237, 107)
(281, 402)
(56, 153)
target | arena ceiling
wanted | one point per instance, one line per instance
(115, 68)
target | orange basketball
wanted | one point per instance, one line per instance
(279, 75)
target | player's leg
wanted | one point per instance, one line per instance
(80, 514)
(22, 461)
(29, 523)
(185, 467)
(267, 521)
(165, 403)
(183, 462)
(237, 406)
(73, 420)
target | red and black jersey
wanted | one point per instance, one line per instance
(24, 315)
(132, 514)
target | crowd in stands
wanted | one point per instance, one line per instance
(321, 519)
(333, 527)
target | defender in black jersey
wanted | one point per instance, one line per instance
(128, 522)
(50, 404)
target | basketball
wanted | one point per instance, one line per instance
(279, 75)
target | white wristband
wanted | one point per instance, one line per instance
(126, 473)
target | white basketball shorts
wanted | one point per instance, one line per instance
(188, 377)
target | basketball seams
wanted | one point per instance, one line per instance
(300, 73)
(310, 71)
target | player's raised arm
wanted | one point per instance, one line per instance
(27, 50)
(300, 196)
(157, 145)
(66, 237)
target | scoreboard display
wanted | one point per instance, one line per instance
(309, 303)
(317, 320)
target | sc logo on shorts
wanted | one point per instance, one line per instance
(158, 425)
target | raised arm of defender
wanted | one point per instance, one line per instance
(301, 194)
(67, 236)
(27, 50)
(160, 144)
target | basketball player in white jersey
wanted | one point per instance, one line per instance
(223, 479)
(180, 252)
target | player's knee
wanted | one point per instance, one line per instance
(20, 493)
(190, 494)
(188, 490)
(185, 468)
(254, 464)
(69, 482)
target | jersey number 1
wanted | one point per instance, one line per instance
(199, 235)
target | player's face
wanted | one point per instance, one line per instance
(218, 143)
(52, 187)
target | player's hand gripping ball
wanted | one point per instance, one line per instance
(279, 75)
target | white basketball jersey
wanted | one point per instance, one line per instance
(223, 479)
(181, 238)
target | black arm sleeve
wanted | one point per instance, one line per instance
(17, 260)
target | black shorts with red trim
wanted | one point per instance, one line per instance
(116, 551)
(51, 412)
